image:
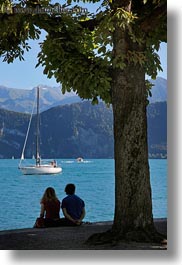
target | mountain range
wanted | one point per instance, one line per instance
(78, 129)
(21, 100)
(159, 90)
(71, 127)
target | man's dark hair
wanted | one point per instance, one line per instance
(70, 189)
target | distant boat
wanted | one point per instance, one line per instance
(79, 159)
(40, 167)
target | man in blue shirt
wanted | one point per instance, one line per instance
(73, 207)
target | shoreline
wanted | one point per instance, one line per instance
(67, 238)
(16, 230)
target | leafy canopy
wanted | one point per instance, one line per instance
(77, 50)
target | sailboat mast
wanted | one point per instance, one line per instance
(38, 130)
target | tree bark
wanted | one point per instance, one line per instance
(133, 202)
(133, 218)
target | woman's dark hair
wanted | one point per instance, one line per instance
(70, 189)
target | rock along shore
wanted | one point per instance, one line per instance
(67, 238)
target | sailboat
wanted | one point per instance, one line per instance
(40, 167)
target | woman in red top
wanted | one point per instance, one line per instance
(50, 208)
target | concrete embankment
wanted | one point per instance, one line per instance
(66, 238)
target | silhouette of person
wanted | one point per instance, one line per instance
(50, 208)
(73, 207)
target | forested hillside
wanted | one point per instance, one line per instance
(79, 129)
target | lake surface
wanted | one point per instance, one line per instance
(94, 180)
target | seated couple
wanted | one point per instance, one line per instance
(72, 206)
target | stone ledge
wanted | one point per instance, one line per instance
(66, 238)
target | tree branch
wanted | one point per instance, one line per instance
(154, 19)
(90, 24)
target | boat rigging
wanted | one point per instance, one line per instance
(40, 167)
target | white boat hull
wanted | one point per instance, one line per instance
(40, 170)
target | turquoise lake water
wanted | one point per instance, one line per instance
(94, 180)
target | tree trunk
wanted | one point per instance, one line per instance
(133, 217)
(133, 203)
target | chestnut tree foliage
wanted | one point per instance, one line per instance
(104, 55)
